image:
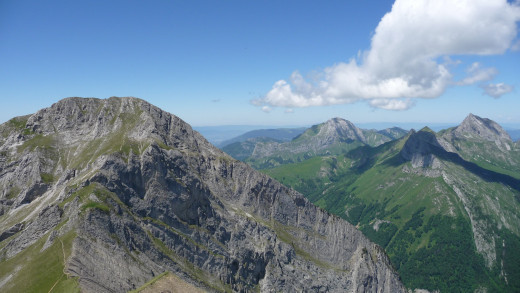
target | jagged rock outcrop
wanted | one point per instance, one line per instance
(122, 191)
(420, 149)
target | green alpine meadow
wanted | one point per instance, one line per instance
(445, 206)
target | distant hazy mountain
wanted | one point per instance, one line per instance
(218, 134)
(241, 150)
(332, 136)
(278, 134)
(445, 206)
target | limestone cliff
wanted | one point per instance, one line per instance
(114, 192)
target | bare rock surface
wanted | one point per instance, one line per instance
(142, 194)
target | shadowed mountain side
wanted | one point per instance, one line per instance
(425, 143)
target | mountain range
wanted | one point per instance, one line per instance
(332, 136)
(116, 195)
(445, 205)
(277, 134)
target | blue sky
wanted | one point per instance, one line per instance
(267, 62)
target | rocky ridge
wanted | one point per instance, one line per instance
(127, 191)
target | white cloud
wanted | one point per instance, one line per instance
(516, 46)
(266, 109)
(497, 90)
(401, 63)
(477, 74)
(392, 104)
(289, 111)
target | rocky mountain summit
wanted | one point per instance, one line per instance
(484, 142)
(333, 136)
(103, 195)
(483, 128)
(335, 129)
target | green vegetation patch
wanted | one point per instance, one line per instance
(510, 255)
(47, 178)
(18, 122)
(45, 142)
(449, 263)
(83, 193)
(13, 192)
(95, 205)
(149, 283)
(35, 271)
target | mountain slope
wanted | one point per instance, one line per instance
(103, 195)
(331, 137)
(485, 143)
(279, 134)
(445, 206)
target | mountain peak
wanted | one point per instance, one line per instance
(487, 129)
(342, 129)
(339, 123)
(331, 131)
(427, 129)
(131, 191)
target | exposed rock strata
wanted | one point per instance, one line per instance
(145, 194)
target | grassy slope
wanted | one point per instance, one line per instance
(36, 271)
(417, 216)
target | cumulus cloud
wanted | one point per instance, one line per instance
(402, 62)
(477, 74)
(497, 90)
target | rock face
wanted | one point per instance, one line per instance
(127, 191)
(483, 128)
(339, 129)
(483, 140)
